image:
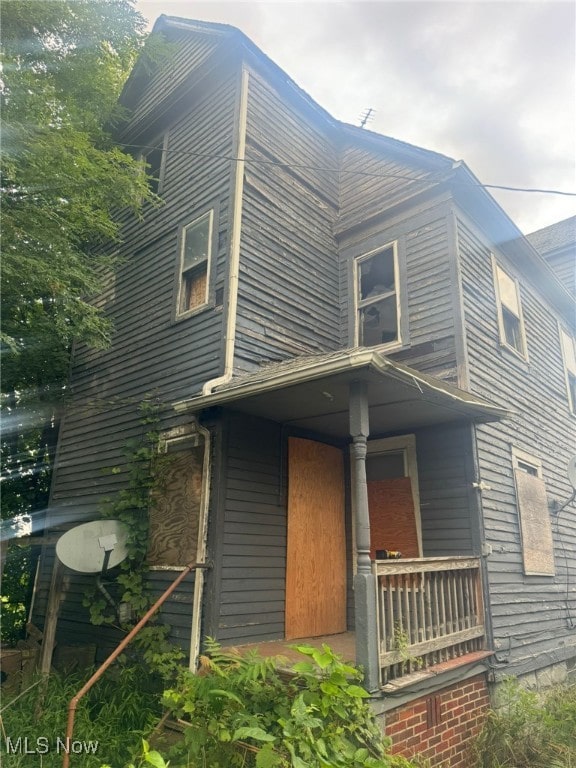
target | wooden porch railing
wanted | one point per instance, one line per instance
(429, 611)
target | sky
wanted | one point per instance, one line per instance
(491, 82)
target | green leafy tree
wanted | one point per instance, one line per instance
(62, 183)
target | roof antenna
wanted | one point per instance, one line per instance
(366, 116)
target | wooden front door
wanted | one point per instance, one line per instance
(316, 548)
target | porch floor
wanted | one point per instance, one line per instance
(343, 644)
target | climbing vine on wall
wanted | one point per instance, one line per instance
(131, 505)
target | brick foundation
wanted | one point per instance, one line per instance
(442, 726)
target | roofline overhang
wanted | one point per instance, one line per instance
(355, 360)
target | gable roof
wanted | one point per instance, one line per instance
(562, 234)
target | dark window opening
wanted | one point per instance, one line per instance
(512, 330)
(377, 316)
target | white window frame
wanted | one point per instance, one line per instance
(510, 303)
(568, 347)
(183, 273)
(360, 304)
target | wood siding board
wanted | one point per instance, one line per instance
(288, 297)
(253, 534)
(534, 391)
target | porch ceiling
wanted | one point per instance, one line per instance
(313, 393)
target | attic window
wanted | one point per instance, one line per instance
(153, 158)
(377, 298)
(568, 344)
(510, 320)
(195, 249)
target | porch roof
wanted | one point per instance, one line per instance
(312, 393)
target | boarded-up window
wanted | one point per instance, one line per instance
(569, 356)
(195, 250)
(535, 527)
(377, 298)
(175, 508)
(509, 311)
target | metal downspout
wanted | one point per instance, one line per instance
(235, 234)
(201, 550)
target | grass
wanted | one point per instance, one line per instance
(530, 730)
(111, 720)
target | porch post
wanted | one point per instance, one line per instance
(364, 579)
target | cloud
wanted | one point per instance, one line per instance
(491, 83)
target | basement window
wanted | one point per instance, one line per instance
(195, 251)
(377, 309)
(568, 344)
(510, 322)
(534, 517)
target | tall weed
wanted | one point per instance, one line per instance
(529, 730)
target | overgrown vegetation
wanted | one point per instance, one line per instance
(111, 719)
(241, 712)
(530, 730)
(61, 181)
(132, 507)
(237, 712)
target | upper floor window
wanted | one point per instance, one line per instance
(195, 252)
(377, 301)
(510, 320)
(568, 344)
(153, 156)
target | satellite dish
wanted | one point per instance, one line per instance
(572, 471)
(93, 547)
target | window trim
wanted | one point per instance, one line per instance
(501, 305)
(359, 304)
(159, 142)
(212, 213)
(520, 457)
(568, 372)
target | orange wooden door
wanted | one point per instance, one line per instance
(316, 549)
(392, 517)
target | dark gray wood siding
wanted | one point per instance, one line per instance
(150, 353)
(376, 180)
(288, 301)
(530, 613)
(564, 266)
(252, 542)
(445, 474)
(183, 53)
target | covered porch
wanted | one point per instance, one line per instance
(402, 616)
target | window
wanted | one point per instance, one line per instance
(175, 515)
(195, 249)
(509, 311)
(377, 315)
(153, 157)
(568, 344)
(535, 528)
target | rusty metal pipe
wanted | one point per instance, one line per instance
(114, 655)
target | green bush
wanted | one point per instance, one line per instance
(242, 712)
(114, 716)
(528, 730)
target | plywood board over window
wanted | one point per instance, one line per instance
(175, 509)
(535, 527)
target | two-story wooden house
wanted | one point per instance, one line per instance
(356, 351)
